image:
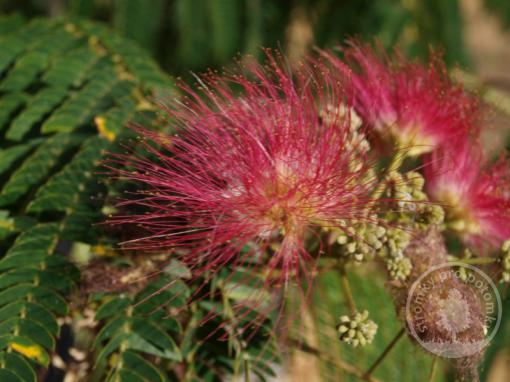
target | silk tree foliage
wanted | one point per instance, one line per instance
(186, 35)
(67, 89)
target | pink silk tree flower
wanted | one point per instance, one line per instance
(258, 164)
(475, 194)
(417, 107)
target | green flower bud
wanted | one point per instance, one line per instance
(400, 267)
(395, 242)
(357, 330)
(412, 204)
(360, 241)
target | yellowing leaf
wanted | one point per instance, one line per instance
(30, 350)
(103, 129)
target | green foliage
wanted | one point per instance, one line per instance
(32, 283)
(136, 20)
(406, 362)
(449, 37)
(64, 105)
(134, 325)
(66, 92)
(501, 8)
(196, 35)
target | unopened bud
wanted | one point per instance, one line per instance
(357, 330)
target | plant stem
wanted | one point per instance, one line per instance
(384, 353)
(346, 288)
(475, 260)
(246, 371)
(347, 367)
(433, 369)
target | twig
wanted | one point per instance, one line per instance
(345, 366)
(474, 260)
(246, 371)
(385, 353)
(433, 368)
(346, 288)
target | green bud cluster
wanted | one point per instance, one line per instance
(412, 205)
(505, 262)
(360, 241)
(363, 241)
(411, 211)
(395, 242)
(399, 267)
(357, 330)
(392, 253)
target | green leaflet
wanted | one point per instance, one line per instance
(25, 70)
(12, 154)
(68, 89)
(37, 107)
(61, 192)
(82, 105)
(15, 43)
(9, 104)
(36, 167)
(26, 347)
(18, 366)
(72, 67)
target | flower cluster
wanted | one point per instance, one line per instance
(425, 114)
(269, 169)
(475, 193)
(262, 170)
(357, 330)
(415, 106)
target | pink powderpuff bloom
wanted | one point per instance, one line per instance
(248, 180)
(475, 194)
(415, 106)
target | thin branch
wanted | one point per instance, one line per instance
(474, 260)
(385, 353)
(246, 371)
(346, 288)
(345, 366)
(433, 368)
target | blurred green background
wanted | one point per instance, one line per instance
(186, 35)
